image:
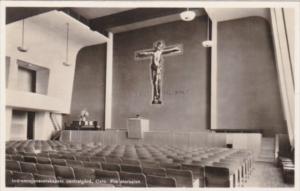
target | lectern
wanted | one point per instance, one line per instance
(136, 127)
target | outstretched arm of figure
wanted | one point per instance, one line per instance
(175, 49)
(144, 53)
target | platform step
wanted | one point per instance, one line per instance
(267, 152)
(263, 155)
(265, 159)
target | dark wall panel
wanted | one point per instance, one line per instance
(89, 84)
(248, 90)
(186, 78)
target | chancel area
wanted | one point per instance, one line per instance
(149, 97)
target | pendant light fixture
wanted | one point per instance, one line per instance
(66, 62)
(22, 47)
(207, 43)
(187, 15)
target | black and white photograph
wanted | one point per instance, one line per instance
(149, 94)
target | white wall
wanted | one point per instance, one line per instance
(32, 101)
(289, 17)
(8, 112)
(42, 78)
(45, 49)
(45, 40)
(7, 61)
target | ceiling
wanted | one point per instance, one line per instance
(54, 23)
(116, 20)
(106, 20)
(18, 13)
(138, 18)
(224, 14)
(217, 14)
(92, 13)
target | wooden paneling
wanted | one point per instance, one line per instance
(195, 139)
(254, 143)
(161, 137)
(250, 141)
(221, 139)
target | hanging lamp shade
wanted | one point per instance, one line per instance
(208, 42)
(188, 15)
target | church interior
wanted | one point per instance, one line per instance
(149, 97)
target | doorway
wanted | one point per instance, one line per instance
(22, 125)
(30, 125)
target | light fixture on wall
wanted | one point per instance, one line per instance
(22, 47)
(207, 43)
(187, 15)
(66, 62)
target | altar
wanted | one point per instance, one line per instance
(84, 125)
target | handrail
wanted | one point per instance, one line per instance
(56, 126)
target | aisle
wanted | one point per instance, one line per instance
(266, 175)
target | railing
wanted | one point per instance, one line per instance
(57, 128)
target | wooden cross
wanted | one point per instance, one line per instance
(156, 55)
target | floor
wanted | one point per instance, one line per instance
(266, 175)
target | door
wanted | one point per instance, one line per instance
(30, 125)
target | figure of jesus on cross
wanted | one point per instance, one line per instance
(156, 55)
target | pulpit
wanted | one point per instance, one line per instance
(136, 127)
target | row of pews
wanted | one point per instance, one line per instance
(55, 163)
(287, 167)
(285, 157)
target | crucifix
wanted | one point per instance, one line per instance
(156, 55)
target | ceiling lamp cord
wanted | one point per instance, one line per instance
(207, 43)
(208, 27)
(22, 48)
(66, 63)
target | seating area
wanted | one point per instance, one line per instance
(288, 169)
(54, 163)
(285, 158)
